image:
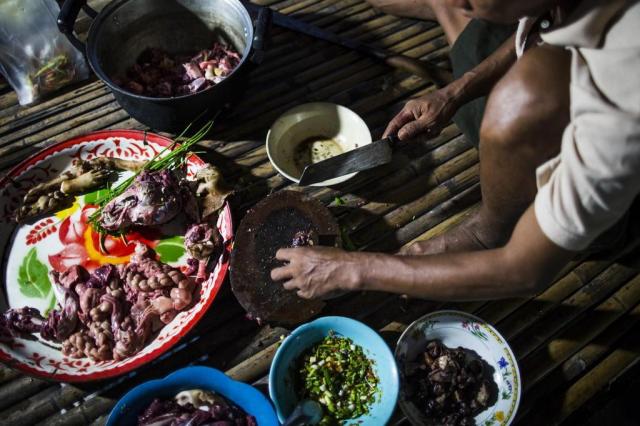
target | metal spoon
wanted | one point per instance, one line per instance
(307, 412)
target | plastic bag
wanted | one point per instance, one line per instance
(36, 58)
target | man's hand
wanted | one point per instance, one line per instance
(316, 272)
(428, 115)
(525, 266)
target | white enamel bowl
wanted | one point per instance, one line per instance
(309, 120)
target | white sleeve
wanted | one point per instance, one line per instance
(598, 175)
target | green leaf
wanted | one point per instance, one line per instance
(33, 276)
(347, 243)
(338, 201)
(171, 249)
(93, 197)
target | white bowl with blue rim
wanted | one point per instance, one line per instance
(134, 402)
(454, 329)
(284, 368)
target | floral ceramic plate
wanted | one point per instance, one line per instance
(31, 250)
(455, 329)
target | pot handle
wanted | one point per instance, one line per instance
(67, 19)
(259, 35)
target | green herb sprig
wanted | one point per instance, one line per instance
(177, 156)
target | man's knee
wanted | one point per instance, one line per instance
(529, 107)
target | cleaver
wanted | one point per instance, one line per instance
(367, 157)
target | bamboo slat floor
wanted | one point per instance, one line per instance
(574, 339)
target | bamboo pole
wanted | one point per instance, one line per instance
(457, 204)
(579, 393)
(25, 115)
(100, 421)
(41, 405)
(539, 363)
(20, 388)
(500, 310)
(104, 103)
(255, 366)
(7, 374)
(295, 6)
(80, 415)
(266, 336)
(406, 201)
(581, 361)
(404, 215)
(87, 123)
(586, 297)
(538, 307)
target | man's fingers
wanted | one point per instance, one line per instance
(414, 128)
(402, 118)
(391, 129)
(284, 254)
(303, 294)
(281, 273)
(290, 285)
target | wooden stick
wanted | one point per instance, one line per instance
(551, 298)
(86, 123)
(82, 414)
(255, 366)
(27, 135)
(7, 374)
(409, 200)
(25, 115)
(547, 357)
(20, 388)
(421, 211)
(432, 220)
(581, 361)
(589, 295)
(41, 405)
(569, 401)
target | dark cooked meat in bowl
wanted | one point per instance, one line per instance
(450, 385)
(157, 73)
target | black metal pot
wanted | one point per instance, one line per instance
(124, 28)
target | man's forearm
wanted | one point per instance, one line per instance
(458, 276)
(478, 81)
(523, 267)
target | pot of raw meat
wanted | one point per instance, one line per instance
(169, 61)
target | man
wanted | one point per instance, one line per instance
(559, 156)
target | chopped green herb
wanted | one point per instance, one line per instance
(338, 375)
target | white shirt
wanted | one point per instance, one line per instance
(595, 178)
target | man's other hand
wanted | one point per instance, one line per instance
(427, 115)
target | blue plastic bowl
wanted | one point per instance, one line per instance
(246, 397)
(282, 375)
